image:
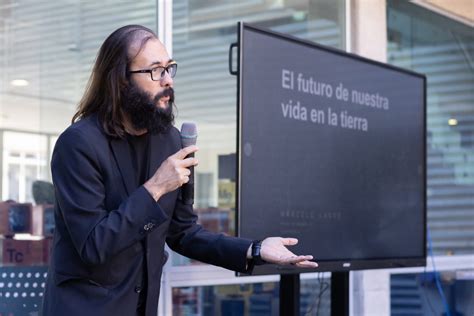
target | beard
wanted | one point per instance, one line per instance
(143, 112)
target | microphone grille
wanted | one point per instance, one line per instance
(188, 134)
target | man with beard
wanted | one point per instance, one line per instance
(117, 172)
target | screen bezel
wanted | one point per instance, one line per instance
(337, 264)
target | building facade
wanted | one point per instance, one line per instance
(47, 49)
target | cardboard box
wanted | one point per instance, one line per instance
(25, 252)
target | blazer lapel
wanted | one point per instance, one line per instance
(121, 154)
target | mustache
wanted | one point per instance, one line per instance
(169, 92)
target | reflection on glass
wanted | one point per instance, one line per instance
(31, 174)
(255, 299)
(418, 294)
(24, 157)
(19, 218)
(206, 92)
(233, 299)
(443, 49)
(13, 182)
(47, 50)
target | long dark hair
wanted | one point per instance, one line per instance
(109, 76)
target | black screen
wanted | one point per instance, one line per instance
(331, 151)
(19, 217)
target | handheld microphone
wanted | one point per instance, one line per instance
(188, 138)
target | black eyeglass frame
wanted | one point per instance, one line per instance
(161, 74)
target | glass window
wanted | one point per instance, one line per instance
(418, 293)
(232, 299)
(206, 92)
(442, 49)
(47, 49)
(24, 161)
(256, 299)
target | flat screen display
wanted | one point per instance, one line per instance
(19, 218)
(331, 150)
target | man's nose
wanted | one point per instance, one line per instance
(166, 81)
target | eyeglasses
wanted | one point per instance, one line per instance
(158, 73)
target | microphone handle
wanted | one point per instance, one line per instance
(187, 190)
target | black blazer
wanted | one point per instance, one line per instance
(102, 216)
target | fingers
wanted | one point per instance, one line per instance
(188, 162)
(184, 175)
(186, 172)
(289, 241)
(185, 180)
(297, 259)
(306, 264)
(181, 154)
(173, 172)
(303, 262)
(179, 158)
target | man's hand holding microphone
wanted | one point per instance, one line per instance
(173, 173)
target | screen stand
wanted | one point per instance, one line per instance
(340, 294)
(290, 294)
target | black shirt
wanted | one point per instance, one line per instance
(139, 154)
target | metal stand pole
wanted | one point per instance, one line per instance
(289, 294)
(340, 294)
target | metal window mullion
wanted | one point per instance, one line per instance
(164, 27)
(347, 24)
(164, 24)
(22, 178)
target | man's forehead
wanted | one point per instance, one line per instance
(153, 52)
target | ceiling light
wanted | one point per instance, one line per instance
(452, 122)
(299, 15)
(19, 83)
